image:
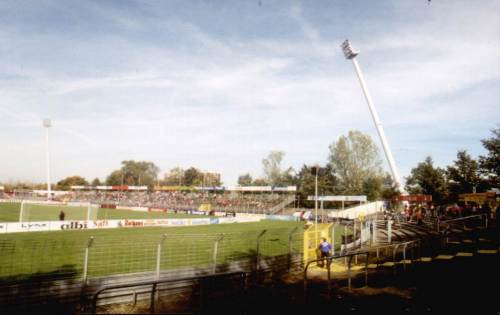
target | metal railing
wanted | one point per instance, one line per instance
(153, 296)
(465, 220)
(329, 260)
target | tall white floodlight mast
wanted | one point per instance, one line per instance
(47, 124)
(351, 53)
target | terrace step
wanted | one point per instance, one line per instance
(444, 257)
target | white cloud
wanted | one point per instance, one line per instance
(223, 103)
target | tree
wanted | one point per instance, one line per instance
(174, 177)
(245, 180)
(211, 179)
(306, 181)
(272, 169)
(96, 182)
(429, 180)
(463, 176)
(115, 178)
(389, 188)
(65, 184)
(134, 173)
(260, 182)
(355, 162)
(372, 187)
(490, 164)
(193, 177)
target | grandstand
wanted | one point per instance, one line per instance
(264, 200)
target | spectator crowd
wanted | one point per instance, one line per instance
(181, 200)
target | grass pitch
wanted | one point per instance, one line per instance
(127, 250)
(9, 212)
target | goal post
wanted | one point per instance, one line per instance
(37, 211)
(21, 211)
(92, 211)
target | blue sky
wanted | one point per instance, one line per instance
(219, 84)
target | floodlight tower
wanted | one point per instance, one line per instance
(47, 123)
(351, 53)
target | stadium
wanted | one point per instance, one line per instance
(127, 249)
(255, 175)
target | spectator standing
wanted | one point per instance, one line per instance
(324, 250)
(419, 217)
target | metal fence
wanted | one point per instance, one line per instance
(74, 268)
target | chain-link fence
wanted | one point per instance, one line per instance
(72, 267)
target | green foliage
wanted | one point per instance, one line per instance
(29, 186)
(463, 176)
(175, 177)
(429, 180)
(355, 161)
(134, 173)
(389, 188)
(273, 174)
(305, 181)
(193, 177)
(260, 182)
(96, 182)
(115, 178)
(65, 184)
(245, 180)
(372, 187)
(490, 164)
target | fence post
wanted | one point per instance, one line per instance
(389, 230)
(404, 257)
(216, 247)
(349, 272)
(333, 239)
(366, 268)
(290, 236)
(345, 243)
(257, 266)
(371, 231)
(329, 262)
(153, 297)
(394, 256)
(85, 271)
(86, 262)
(158, 256)
(354, 231)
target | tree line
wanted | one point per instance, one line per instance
(353, 167)
(464, 175)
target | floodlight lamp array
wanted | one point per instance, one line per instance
(349, 51)
(47, 123)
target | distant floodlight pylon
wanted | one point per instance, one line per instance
(47, 123)
(351, 53)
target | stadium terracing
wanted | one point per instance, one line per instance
(250, 199)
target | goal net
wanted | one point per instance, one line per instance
(31, 211)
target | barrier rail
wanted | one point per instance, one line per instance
(329, 262)
(464, 220)
(154, 287)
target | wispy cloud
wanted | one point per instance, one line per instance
(142, 82)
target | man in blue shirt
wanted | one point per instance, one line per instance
(324, 248)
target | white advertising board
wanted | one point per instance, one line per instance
(16, 227)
